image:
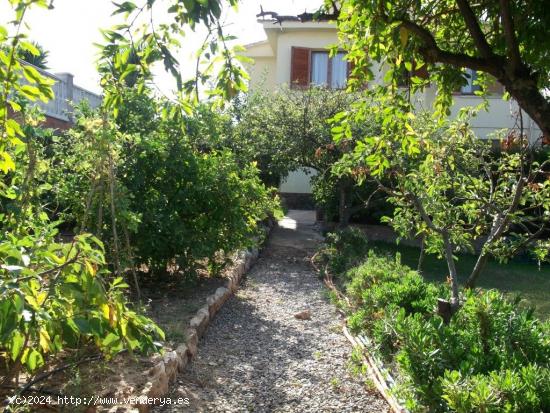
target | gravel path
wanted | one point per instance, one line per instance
(257, 357)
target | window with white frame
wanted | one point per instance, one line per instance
(329, 71)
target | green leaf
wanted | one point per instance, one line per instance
(29, 47)
(6, 162)
(3, 33)
(34, 360)
(83, 325)
(125, 7)
(112, 340)
(17, 342)
(31, 74)
(30, 92)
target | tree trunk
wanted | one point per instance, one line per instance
(343, 209)
(525, 91)
(422, 254)
(480, 264)
(453, 276)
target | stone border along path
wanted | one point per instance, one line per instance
(277, 345)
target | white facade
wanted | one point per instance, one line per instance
(66, 95)
(272, 67)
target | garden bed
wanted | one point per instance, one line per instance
(87, 375)
(492, 355)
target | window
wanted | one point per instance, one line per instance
(339, 71)
(318, 68)
(470, 88)
(329, 71)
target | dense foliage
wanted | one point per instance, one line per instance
(490, 357)
(450, 187)
(192, 205)
(55, 294)
(179, 201)
(287, 129)
(126, 186)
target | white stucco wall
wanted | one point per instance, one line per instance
(262, 73)
(298, 182)
(262, 70)
(500, 114)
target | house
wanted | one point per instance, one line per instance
(59, 111)
(295, 52)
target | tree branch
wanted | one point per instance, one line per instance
(433, 54)
(512, 48)
(474, 28)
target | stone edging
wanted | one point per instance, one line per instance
(164, 372)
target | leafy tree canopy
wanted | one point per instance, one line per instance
(506, 40)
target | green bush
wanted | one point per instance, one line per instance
(343, 250)
(523, 390)
(180, 207)
(381, 282)
(492, 356)
(192, 205)
(54, 294)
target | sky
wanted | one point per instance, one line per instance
(70, 30)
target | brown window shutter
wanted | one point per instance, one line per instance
(299, 67)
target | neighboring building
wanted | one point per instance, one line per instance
(295, 53)
(59, 111)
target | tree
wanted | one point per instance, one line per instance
(286, 129)
(54, 295)
(132, 48)
(450, 188)
(506, 40)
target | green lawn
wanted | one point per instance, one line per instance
(520, 276)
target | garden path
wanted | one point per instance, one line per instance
(256, 356)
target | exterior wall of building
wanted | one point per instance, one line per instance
(263, 73)
(500, 114)
(272, 65)
(312, 39)
(66, 94)
(58, 124)
(298, 182)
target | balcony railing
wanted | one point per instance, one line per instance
(67, 94)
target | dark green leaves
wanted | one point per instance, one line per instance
(124, 7)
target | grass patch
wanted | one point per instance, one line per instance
(520, 276)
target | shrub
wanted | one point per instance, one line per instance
(524, 390)
(492, 356)
(192, 205)
(180, 207)
(343, 250)
(56, 295)
(381, 282)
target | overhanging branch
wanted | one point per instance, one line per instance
(474, 28)
(433, 54)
